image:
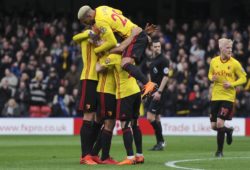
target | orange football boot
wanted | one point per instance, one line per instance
(109, 161)
(127, 162)
(149, 88)
(87, 160)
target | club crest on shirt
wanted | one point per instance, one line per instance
(102, 30)
(228, 67)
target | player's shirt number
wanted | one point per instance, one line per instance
(116, 16)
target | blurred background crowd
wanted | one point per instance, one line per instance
(40, 65)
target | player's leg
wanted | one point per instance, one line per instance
(87, 104)
(224, 112)
(215, 108)
(137, 134)
(96, 140)
(220, 137)
(135, 51)
(109, 124)
(124, 112)
(161, 143)
(106, 138)
(156, 124)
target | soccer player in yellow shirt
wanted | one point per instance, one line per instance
(106, 111)
(109, 21)
(226, 73)
(88, 97)
(128, 104)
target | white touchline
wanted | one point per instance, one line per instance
(172, 163)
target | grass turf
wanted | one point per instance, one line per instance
(63, 152)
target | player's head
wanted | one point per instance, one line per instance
(156, 47)
(86, 15)
(225, 46)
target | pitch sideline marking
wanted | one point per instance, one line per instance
(172, 163)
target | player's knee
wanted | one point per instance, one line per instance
(214, 127)
(134, 123)
(220, 123)
(125, 124)
(109, 125)
(88, 116)
(150, 117)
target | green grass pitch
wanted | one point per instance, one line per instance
(63, 152)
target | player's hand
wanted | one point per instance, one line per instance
(227, 85)
(150, 28)
(156, 96)
(98, 67)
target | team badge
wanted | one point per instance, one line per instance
(102, 30)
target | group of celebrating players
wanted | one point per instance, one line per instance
(109, 88)
(110, 91)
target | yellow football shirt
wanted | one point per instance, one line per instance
(126, 85)
(106, 82)
(109, 20)
(229, 71)
(88, 56)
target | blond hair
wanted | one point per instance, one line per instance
(224, 41)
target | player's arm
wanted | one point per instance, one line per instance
(81, 36)
(211, 77)
(119, 49)
(100, 68)
(241, 74)
(108, 37)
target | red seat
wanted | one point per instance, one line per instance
(45, 111)
(34, 109)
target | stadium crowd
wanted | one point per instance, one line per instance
(40, 65)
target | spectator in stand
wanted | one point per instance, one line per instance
(11, 109)
(73, 104)
(53, 84)
(41, 51)
(182, 106)
(5, 93)
(38, 90)
(60, 104)
(195, 101)
(12, 80)
(5, 63)
(22, 96)
(73, 77)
